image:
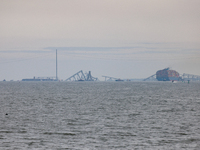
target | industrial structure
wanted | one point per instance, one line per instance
(45, 78)
(56, 67)
(80, 76)
(161, 75)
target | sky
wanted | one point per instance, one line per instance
(117, 38)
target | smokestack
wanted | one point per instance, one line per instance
(56, 66)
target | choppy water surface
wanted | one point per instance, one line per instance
(99, 115)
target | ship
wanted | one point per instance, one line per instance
(167, 75)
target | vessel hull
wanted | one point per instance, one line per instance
(167, 75)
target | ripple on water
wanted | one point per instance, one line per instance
(100, 115)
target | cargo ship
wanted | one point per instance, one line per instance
(167, 75)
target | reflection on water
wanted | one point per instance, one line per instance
(99, 115)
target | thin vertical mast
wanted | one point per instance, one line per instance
(56, 67)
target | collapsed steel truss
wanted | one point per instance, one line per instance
(80, 76)
(107, 78)
(190, 77)
(151, 78)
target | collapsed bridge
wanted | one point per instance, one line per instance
(191, 77)
(80, 76)
(171, 75)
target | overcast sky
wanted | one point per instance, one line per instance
(119, 38)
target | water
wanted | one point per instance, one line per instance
(99, 115)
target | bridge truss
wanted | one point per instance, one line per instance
(151, 78)
(80, 76)
(107, 78)
(190, 77)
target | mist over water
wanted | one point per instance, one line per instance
(99, 115)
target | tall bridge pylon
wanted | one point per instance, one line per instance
(89, 77)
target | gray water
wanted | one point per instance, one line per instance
(99, 115)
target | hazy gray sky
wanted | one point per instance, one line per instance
(120, 38)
